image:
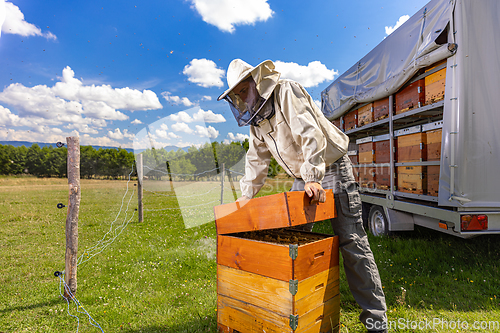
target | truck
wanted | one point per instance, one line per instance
(421, 110)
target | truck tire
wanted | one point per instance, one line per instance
(377, 221)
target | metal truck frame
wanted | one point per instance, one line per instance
(465, 33)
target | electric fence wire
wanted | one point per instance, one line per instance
(180, 174)
(183, 207)
(183, 196)
(104, 243)
(78, 305)
(99, 247)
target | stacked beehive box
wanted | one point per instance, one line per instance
(381, 109)
(365, 115)
(267, 286)
(435, 84)
(411, 148)
(366, 158)
(410, 97)
(338, 122)
(382, 148)
(434, 133)
(351, 120)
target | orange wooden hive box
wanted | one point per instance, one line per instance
(270, 286)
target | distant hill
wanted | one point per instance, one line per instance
(43, 144)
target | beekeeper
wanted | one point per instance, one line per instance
(286, 123)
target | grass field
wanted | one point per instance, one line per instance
(159, 276)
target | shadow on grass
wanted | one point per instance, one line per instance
(31, 306)
(192, 325)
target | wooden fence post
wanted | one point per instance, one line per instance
(140, 174)
(72, 215)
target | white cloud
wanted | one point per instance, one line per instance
(318, 103)
(402, 19)
(118, 135)
(206, 98)
(118, 98)
(136, 122)
(200, 116)
(208, 132)
(204, 73)
(308, 76)
(176, 99)
(238, 137)
(225, 14)
(163, 134)
(164, 127)
(12, 22)
(71, 104)
(182, 127)
(40, 134)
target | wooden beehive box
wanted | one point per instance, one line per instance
(367, 176)
(267, 284)
(381, 109)
(338, 123)
(365, 115)
(435, 84)
(411, 145)
(383, 177)
(353, 156)
(355, 172)
(410, 97)
(383, 148)
(412, 179)
(366, 150)
(434, 135)
(351, 120)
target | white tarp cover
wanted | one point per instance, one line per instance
(391, 63)
(475, 114)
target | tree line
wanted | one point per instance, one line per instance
(196, 163)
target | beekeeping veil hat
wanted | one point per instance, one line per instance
(265, 77)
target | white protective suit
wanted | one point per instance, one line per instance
(299, 137)
(310, 149)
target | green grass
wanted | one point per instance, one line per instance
(158, 276)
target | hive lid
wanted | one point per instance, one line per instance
(280, 210)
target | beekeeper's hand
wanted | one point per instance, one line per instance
(243, 198)
(315, 192)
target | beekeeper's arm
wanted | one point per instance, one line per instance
(257, 162)
(298, 110)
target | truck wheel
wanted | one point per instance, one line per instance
(377, 222)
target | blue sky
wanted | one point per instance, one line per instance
(110, 71)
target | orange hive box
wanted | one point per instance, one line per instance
(381, 109)
(435, 84)
(434, 135)
(351, 120)
(269, 285)
(410, 97)
(365, 115)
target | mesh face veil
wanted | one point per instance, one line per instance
(245, 102)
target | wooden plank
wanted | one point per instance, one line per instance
(316, 290)
(381, 109)
(351, 120)
(435, 86)
(365, 115)
(267, 212)
(224, 329)
(433, 146)
(316, 257)
(255, 289)
(366, 147)
(321, 319)
(271, 260)
(410, 97)
(338, 123)
(302, 211)
(433, 180)
(245, 317)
